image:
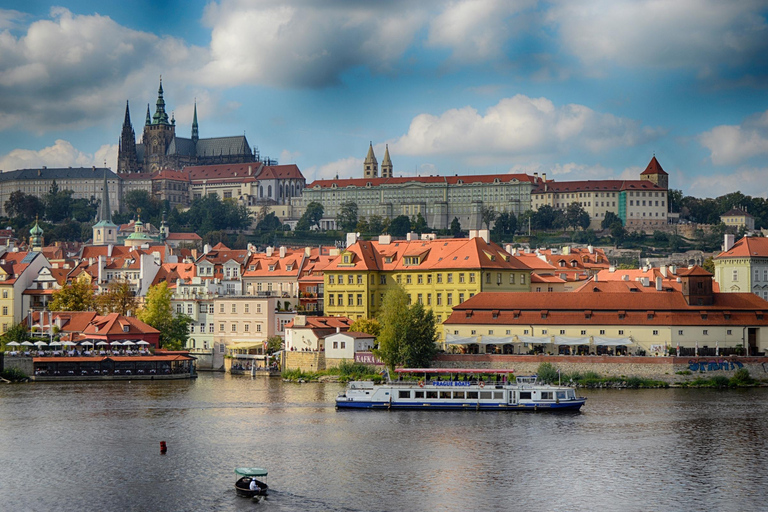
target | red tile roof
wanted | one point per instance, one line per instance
(747, 247)
(735, 212)
(183, 236)
(551, 186)
(448, 180)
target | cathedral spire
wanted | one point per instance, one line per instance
(127, 160)
(195, 133)
(161, 116)
(386, 164)
(104, 211)
(127, 120)
(149, 117)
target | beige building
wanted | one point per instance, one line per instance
(738, 219)
(744, 267)
(640, 204)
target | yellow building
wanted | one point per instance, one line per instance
(438, 273)
(738, 219)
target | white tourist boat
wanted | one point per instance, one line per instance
(473, 389)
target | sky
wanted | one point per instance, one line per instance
(578, 90)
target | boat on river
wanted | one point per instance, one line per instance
(463, 389)
(248, 475)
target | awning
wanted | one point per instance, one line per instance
(453, 339)
(497, 340)
(571, 340)
(612, 342)
(535, 339)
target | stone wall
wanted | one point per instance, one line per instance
(22, 363)
(305, 361)
(658, 368)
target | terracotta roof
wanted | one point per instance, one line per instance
(442, 253)
(183, 236)
(170, 272)
(115, 323)
(355, 334)
(169, 174)
(259, 264)
(747, 247)
(654, 167)
(447, 180)
(282, 172)
(323, 322)
(223, 171)
(694, 271)
(593, 185)
(611, 308)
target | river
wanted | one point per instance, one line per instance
(96, 447)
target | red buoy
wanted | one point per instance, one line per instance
(163, 447)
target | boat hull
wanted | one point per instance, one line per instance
(242, 487)
(571, 405)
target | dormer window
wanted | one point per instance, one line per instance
(289, 267)
(271, 268)
(126, 328)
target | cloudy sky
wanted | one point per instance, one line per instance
(579, 90)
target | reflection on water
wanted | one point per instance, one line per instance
(95, 446)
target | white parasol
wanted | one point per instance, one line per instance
(40, 343)
(128, 343)
(13, 343)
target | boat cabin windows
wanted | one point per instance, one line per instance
(403, 394)
(458, 395)
(445, 394)
(418, 394)
(525, 395)
(546, 395)
(431, 394)
(561, 395)
(471, 395)
(486, 395)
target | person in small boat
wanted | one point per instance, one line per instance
(254, 486)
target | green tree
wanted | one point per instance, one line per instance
(367, 325)
(274, 344)
(400, 226)
(375, 225)
(618, 233)
(77, 296)
(151, 208)
(157, 312)
(546, 218)
(17, 333)
(408, 333)
(347, 217)
(84, 210)
(420, 224)
(58, 203)
(455, 228)
(311, 217)
(119, 298)
(675, 200)
(269, 224)
(609, 220)
(488, 215)
(24, 206)
(362, 226)
(709, 265)
(505, 226)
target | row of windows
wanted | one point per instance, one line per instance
(208, 308)
(583, 332)
(420, 279)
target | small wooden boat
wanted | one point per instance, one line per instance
(248, 475)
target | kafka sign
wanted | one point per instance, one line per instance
(367, 358)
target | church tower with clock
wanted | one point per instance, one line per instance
(158, 134)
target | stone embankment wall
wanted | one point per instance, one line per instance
(22, 363)
(658, 368)
(305, 361)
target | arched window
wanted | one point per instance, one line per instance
(269, 191)
(261, 191)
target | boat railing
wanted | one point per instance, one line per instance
(432, 382)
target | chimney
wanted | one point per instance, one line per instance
(663, 270)
(299, 321)
(282, 251)
(544, 177)
(270, 250)
(646, 282)
(411, 236)
(385, 239)
(658, 284)
(566, 250)
(307, 252)
(352, 239)
(596, 277)
(102, 262)
(672, 269)
(338, 330)
(110, 247)
(485, 235)
(206, 248)
(611, 269)
(625, 277)
(728, 242)
(591, 249)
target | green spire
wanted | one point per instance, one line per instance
(195, 133)
(149, 117)
(160, 117)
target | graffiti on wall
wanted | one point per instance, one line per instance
(713, 366)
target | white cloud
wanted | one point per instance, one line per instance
(696, 34)
(303, 43)
(477, 29)
(69, 70)
(288, 157)
(61, 154)
(571, 171)
(749, 180)
(350, 167)
(519, 126)
(732, 144)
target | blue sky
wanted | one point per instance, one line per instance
(579, 90)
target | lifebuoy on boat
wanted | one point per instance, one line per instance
(421, 383)
(482, 384)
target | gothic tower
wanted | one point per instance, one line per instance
(386, 164)
(127, 159)
(104, 231)
(195, 131)
(371, 165)
(157, 135)
(655, 174)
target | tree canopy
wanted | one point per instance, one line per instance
(408, 333)
(367, 325)
(488, 215)
(455, 228)
(77, 296)
(157, 312)
(311, 217)
(117, 299)
(505, 226)
(400, 226)
(347, 217)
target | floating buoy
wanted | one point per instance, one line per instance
(163, 447)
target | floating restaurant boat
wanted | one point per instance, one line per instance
(248, 475)
(481, 390)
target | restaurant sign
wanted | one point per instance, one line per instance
(367, 358)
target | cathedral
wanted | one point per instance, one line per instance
(160, 147)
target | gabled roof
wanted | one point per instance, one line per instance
(183, 236)
(170, 272)
(736, 212)
(282, 172)
(747, 247)
(115, 323)
(208, 172)
(560, 187)
(424, 180)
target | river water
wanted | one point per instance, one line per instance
(95, 447)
